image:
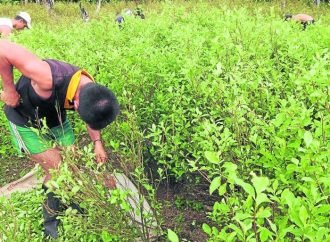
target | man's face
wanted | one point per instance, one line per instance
(21, 24)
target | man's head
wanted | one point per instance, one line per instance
(287, 16)
(22, 20)
(98, 106)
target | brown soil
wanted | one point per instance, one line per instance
(185, 209)
(12, 169)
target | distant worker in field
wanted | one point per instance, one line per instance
(127, 12)
(304, 19)
(83, 13)
(120, 20)
(139, 13)
(21, 21)
(39, 100)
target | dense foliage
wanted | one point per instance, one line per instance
(227, 93)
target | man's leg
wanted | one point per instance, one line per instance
(48, 160)
(29, 142)
(51, 208)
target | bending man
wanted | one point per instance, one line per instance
(46, 89)
(301, 18)
(21, 21)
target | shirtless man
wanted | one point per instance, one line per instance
(21, 21)
(46, 89)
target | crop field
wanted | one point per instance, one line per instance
(224, 124)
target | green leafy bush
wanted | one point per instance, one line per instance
(227, 91)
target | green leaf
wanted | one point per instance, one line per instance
(261, 198)
(237, 229)
(264, 234)
(272, 225)
(260, 183)
(54, 184)
(246, 225)
(323, 208)
(248, 203)
(216, 182)
(222, 189)
(75, 189)
(303, 214)
(229, 167)
(246, 186)
(275, 184)
(263, 213)
(218, 69)
(308, 138)
(295, 161)
(172, 236)
(212, 157)
(288, 197)
(241, 216)
(207, 229)
(221, 208)
(105, 236)
(294, 217)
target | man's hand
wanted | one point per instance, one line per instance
(11, 98)
(101, 155)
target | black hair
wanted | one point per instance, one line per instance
(98, 105)
(20, 18)
(287, 16)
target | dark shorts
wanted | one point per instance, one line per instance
(34, 141)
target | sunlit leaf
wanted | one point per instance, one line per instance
(246, 186)
(212, 157)
(260, 183)
(263, 213)
(303, 214)
(172, 236)
(288, 197)
(308, 138)
(265, 234)
(216, 182)
(206, 229)
(261, 198)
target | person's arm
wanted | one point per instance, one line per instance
(5, 31)
(100, 153)
(13, 55)
(9, 94)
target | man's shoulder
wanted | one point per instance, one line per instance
(6, 22)
(58, 62)
(61, 68)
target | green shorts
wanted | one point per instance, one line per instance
(30, 140)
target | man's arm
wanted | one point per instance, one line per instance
(9, 94)
(100, 153)
(13, 55)
(5, 31)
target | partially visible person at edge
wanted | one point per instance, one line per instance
(21, 21)
(301, 18)
(45, 90)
